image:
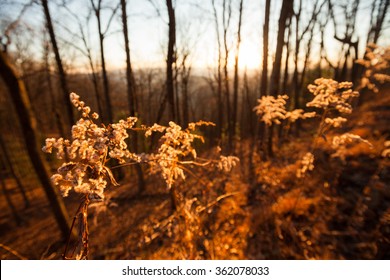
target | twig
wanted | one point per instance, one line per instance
(12, 251)
(219, 198)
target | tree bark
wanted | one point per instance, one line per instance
(19, 184)
(226, 18)
(28, 124)
(285, 13)
(236, 78)
(106, 86)
(264, 72)
(219, 73)
(60, 68)
(171, 59)
(11, 205)
(377, 25)
(131, 95)
(59, 122)
(185, 78)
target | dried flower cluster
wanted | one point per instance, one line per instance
(306, 164)
(273, 110)
(376, 62)
(340, 144)
(294, 115)
(91, 147)
(85, 170)
(335, 122)
(386, 151)
(176, 146)
(334, 98)
(227, 163)
(330, 94)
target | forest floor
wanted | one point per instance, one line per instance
(260, 210)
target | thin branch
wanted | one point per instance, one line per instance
(12, 251)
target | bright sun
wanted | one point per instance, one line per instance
(249, 56)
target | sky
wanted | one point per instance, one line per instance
(148, 30)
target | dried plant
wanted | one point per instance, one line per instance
(340, 144)
(334, 99)
(376, 63)
(85, 169)
(306, 164)
(330, 94)
(386, 150)
(271, 109)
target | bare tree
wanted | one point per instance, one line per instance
(378, 15)
(347, 40)
(219, 72)
(83, 35)
(9, 201)
(261, 131)
(131, 93)
(236, 78)
(8, 162)
(171, 59)
(60, 68)
(185, 72)
(97, 8)
(28, 123)
(226, 20)
(264, 71)
(300, 33)
(59, 122)
(285, 15)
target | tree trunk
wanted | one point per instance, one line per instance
(106, 86)
(260, 127)
(264, 72)
(61, 72)
(59, 122)
(28, 124)
(11, 205)
(171, 59)
(131, 95)
(285, 14)
(185, 77)
(219, 74)
(19, 184)
(236, 78)
(226, 18)
(377, 25)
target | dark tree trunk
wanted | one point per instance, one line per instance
(106, 86)
(219, 74)
(28, 124)
(185, 78)
(19, 184)
(171, 59)
(264, 72)
(226, 18)
(131, 95)
(236, 78)
(377, 23)
(10, 204)
(285, 13)
(61, 72)
(59, 122)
